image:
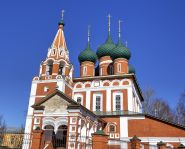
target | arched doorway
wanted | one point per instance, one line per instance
(48, 132)
(61, 136)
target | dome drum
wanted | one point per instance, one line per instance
(87, 69)
(120, 66)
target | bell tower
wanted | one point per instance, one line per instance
(56, 72)
(57, 63)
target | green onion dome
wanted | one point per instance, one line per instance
(106, 48)
(120, 51)
(87, 55)
(131, 69)
(61, 22)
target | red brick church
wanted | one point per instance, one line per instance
(105, 99)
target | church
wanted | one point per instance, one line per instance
(106, 99)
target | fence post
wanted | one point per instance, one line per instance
(36, 140)
(161, 145)
(99, 140)
(181, 146)
(135, 142)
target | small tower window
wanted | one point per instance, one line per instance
(61, 53)
(53, 51)
(119, 67)
(85, 70)
(49, 68)
(46, 89)
(61, 68)
(118, 103)
(79, 100)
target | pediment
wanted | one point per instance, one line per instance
(55, 104)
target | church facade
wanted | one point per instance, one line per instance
(106, 97)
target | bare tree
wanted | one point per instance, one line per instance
(156, 106)
(148, 95)
(2, 128)
(2, 125)
(180, 110)
(162, 109)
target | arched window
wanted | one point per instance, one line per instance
(49, 67)
(112, 128)
(85, 70)
(53, 51)
(97, 102)
(111, 70)
(61, 69)
(117, 101)
(119, 67)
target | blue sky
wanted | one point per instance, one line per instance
(154, 29)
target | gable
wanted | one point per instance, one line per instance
(55, 104)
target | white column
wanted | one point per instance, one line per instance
(61, 85)
(30, 109)
(130, 98)
(28, 124)
(108, 100)
(88, 99)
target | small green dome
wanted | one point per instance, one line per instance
(120, 51)
(131, 69)
(106, 48)
(61, 22)
(87, 55)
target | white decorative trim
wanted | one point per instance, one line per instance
(105, 62)
(28, 125)
(88, 94)
(106, 81)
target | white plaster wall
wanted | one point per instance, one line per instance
(123, 127)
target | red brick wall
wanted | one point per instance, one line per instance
(68, 91)
(153, 128)
(40, 88)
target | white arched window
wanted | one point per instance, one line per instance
(117, 101)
